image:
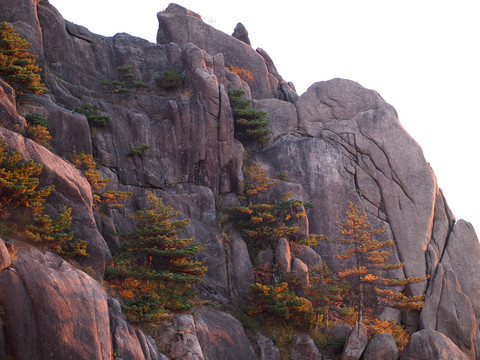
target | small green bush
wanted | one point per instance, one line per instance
(280, 302)
(37, 119)
(93, 116)
(127, 84)
(139, 150)
(170, 80)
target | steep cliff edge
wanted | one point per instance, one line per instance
(336, 143)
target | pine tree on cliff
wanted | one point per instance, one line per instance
(250, 124)
(370, 261)
(154, 272)
(17, 65)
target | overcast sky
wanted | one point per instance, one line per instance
(423, 57)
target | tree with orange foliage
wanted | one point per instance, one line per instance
(370, 260)
(17, 65)
(257, 180)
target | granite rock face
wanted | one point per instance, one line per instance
(70, 308)
(337, 142)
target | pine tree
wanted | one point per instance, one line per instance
(279, 301)
(324, 292)
(261, 224)
(257, 180)
(54, 234)
(370, 260)
(17, 65)
(153, 271)
(18, 182)
(250, 124)
(18, 185)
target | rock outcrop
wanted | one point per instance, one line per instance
(53, 310)
(338, 142)
(429, 344)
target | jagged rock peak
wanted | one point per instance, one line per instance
(175, 25)
(173, 8)
(241, 33)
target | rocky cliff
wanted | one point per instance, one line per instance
(337, 142)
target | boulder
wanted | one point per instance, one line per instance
(462, 255)
(267, 350)
(52, 309)
(341, 111)
(356, 343)
(241, 33)
(340, 332)
(381, 347)
(302, 347)
(5, 260)
(300, 274)
(221, 336)
(430, 344)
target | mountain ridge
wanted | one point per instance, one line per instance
(336, 143)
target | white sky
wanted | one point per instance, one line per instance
(423, 57)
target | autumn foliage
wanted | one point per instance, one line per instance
(18, 189)
(279, 301)
(244, 74)
(17, 65)
(370, 261)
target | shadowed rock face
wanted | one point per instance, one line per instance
(336, 143)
